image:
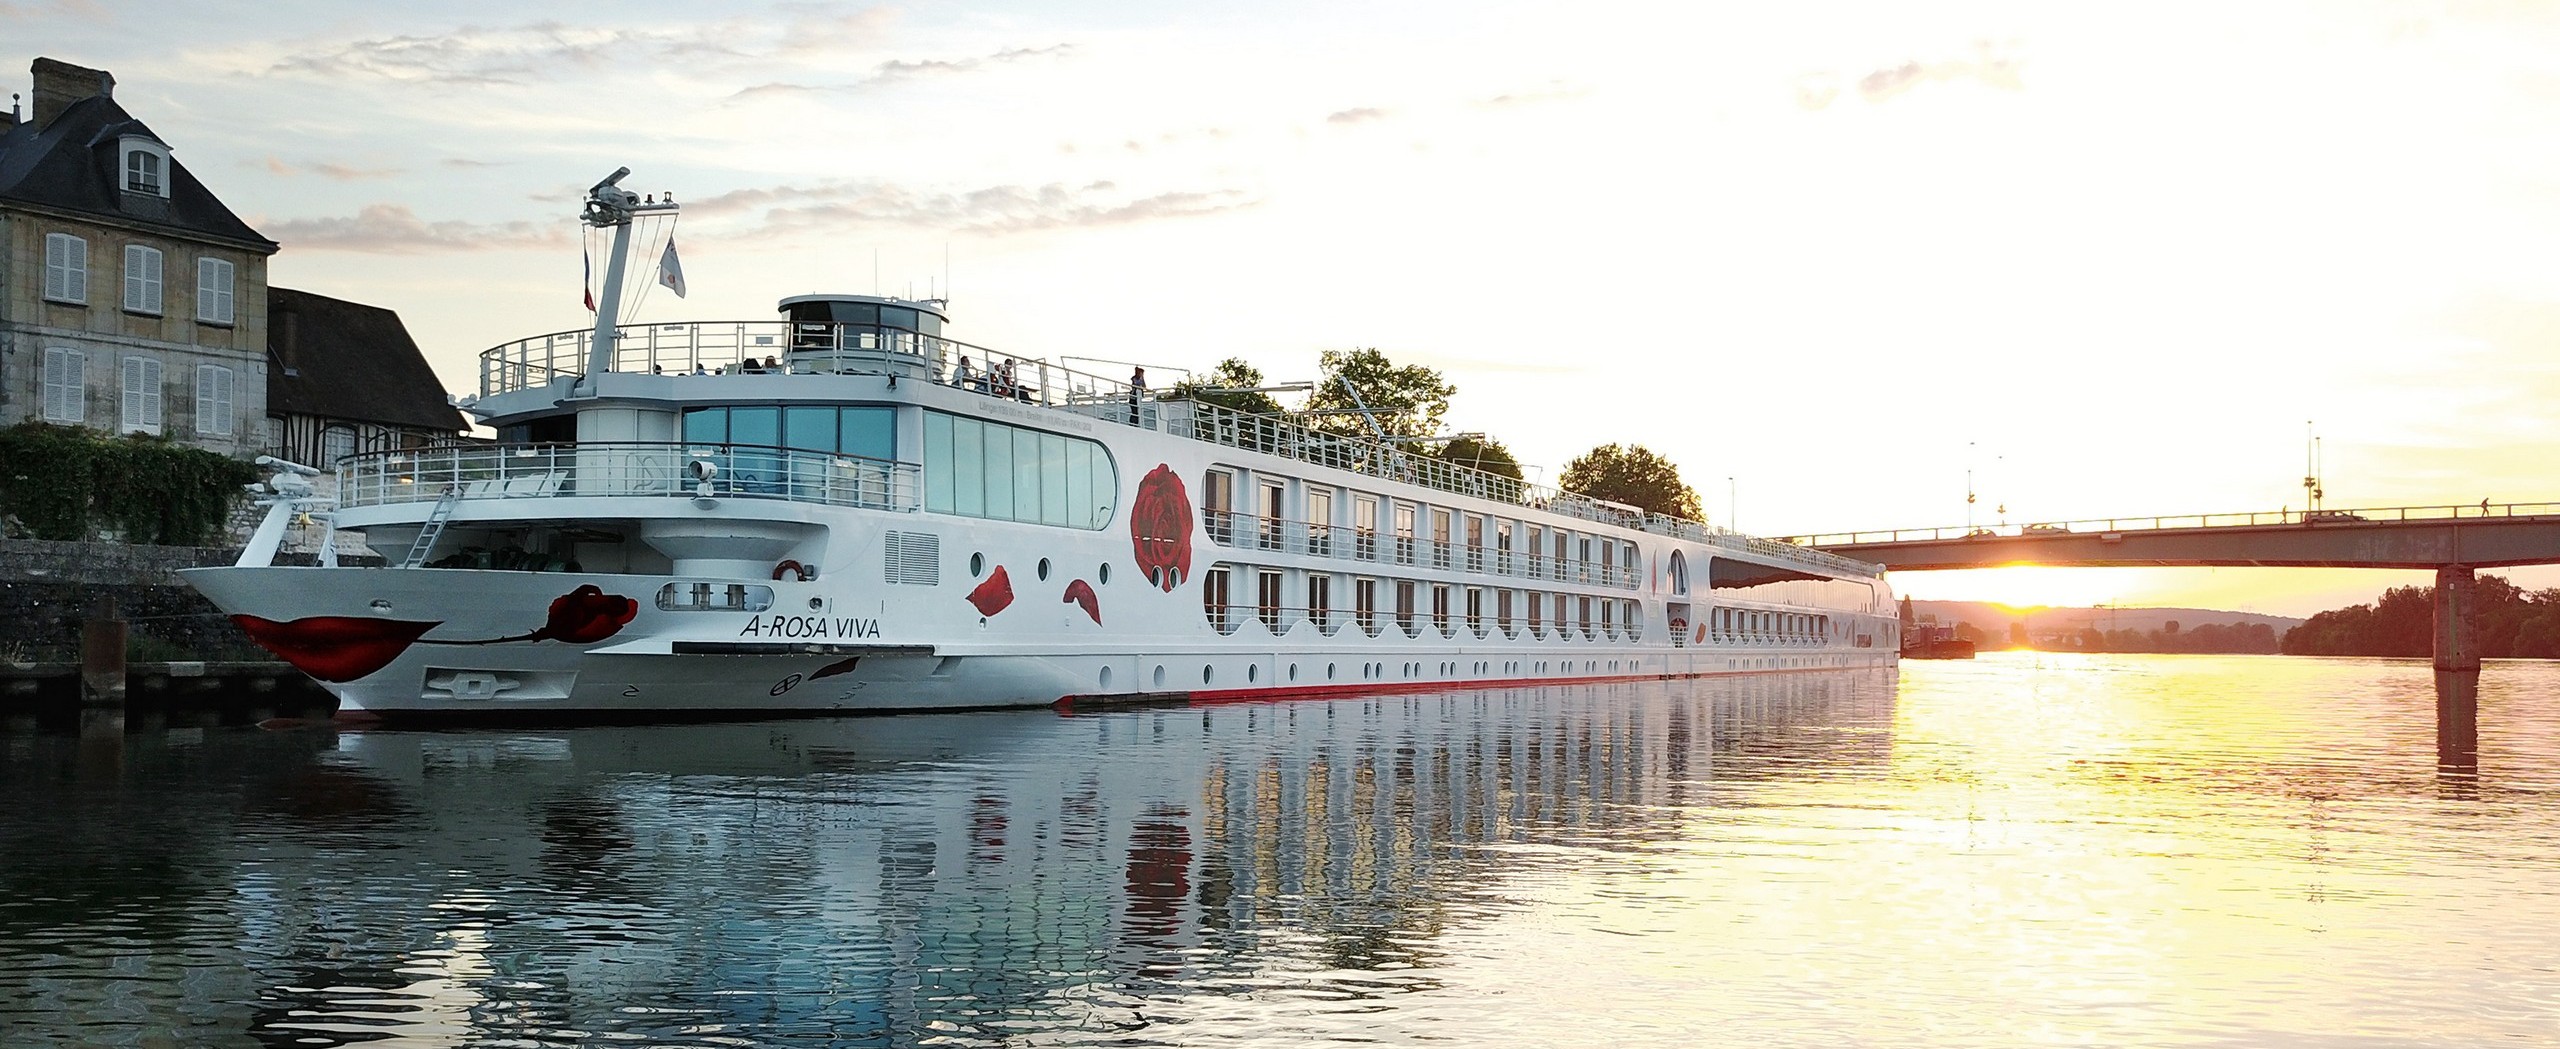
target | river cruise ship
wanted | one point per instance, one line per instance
(845, 510)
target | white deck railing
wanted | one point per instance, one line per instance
(525, 471)
(742, 347)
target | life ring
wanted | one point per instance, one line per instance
(804, 572)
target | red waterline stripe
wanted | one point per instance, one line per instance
(1383, 688)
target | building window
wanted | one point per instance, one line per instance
(66, 268)
(213, 399)
(141, 396)
(66, 387)
(142, 172)
(142, 279)
(214, 291)
(337, 442)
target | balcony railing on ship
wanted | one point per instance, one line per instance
(796, 348)
(1279, 620)
(524, 471)
(1342, 542)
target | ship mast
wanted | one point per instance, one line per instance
(609, 206)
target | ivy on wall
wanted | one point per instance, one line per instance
(59, 481)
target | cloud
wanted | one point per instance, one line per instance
(779, 210)
(1990, 65)
(340, 172)
(900, 70)
(551, 50)
(1987, 67)
(1554, 91)
(1355, 116)
(393, 229)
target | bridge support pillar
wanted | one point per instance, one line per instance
(2457, 620)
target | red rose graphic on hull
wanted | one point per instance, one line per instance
(587, 615)
(1081, 595)
(334, 648)
(344, 648)
(1160, 528)
(993, 595)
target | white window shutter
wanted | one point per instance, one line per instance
(213, 399)
(214, 280)
(141, 408)
(65, 385)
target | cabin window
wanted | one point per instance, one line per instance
(1320, 522)
(1320, 601)
(1364, 604)
(1218, 505)
(1404, 533)
(1364, 524)
(1213, 597)
(976, 468)
(1269, 533)
(1267, 599)
(1405, 609)
(1440, 606)
(1440, 538)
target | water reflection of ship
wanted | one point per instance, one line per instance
(965, 872)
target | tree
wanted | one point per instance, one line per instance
(1232, 372)
(1405, 401)
(1482, 453)
(1635, 476)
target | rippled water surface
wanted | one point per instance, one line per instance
(2018, 850)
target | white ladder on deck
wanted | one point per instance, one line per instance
(434, 527)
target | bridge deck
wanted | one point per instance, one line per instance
(2490, 536)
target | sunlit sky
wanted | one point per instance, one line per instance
(1834, 260)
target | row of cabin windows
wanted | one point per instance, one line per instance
(1749, 626)
(1456, 539)
(977, 468)
(1452, 610)
(66, 279)
(66, 389)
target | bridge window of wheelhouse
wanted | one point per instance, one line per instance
(977, 468)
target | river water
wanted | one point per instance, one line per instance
(2022, 849)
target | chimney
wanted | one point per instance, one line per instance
(59, 84)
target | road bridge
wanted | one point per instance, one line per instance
(2452, 540)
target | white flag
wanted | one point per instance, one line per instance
(669, 272)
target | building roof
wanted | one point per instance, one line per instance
(71, 163)
(345, 360)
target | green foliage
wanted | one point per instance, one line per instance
(1232, 372)
(2513, 624)
(1482, 453)
(45, 478)
(1406, 401)
(1635, 476)
(59, 480)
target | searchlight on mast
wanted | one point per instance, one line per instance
(609, 206)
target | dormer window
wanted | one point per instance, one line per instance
(142, 172)
(146, 166)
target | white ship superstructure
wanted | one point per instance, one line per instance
(845, 510)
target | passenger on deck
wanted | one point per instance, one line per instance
(773, 366)
(964, 376)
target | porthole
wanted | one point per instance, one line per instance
(1159, 676)
(1293, 672)
(977, 565)
(1044, 568)
(1106, 679)
(1103, 574)
(1328, 671)
(817, 603)
(1252, 673)
(1207, 673)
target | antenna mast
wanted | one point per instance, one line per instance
(609, 206)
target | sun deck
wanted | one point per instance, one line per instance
(725, 348)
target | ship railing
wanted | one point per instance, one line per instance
(1347, 543)
(799, 348)
(607, 468)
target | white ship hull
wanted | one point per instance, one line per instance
(840, 512)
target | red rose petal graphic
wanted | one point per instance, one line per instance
(1080, 594)
(1160, 528)
(993, 595)
(587, 615)
(334, 648)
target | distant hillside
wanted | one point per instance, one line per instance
(1992, 621)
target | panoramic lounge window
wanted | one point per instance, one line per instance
(976, 468)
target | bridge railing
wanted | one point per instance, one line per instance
(2175, 522)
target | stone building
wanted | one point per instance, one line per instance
(131, 299)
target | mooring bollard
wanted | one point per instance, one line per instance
(102, 658)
